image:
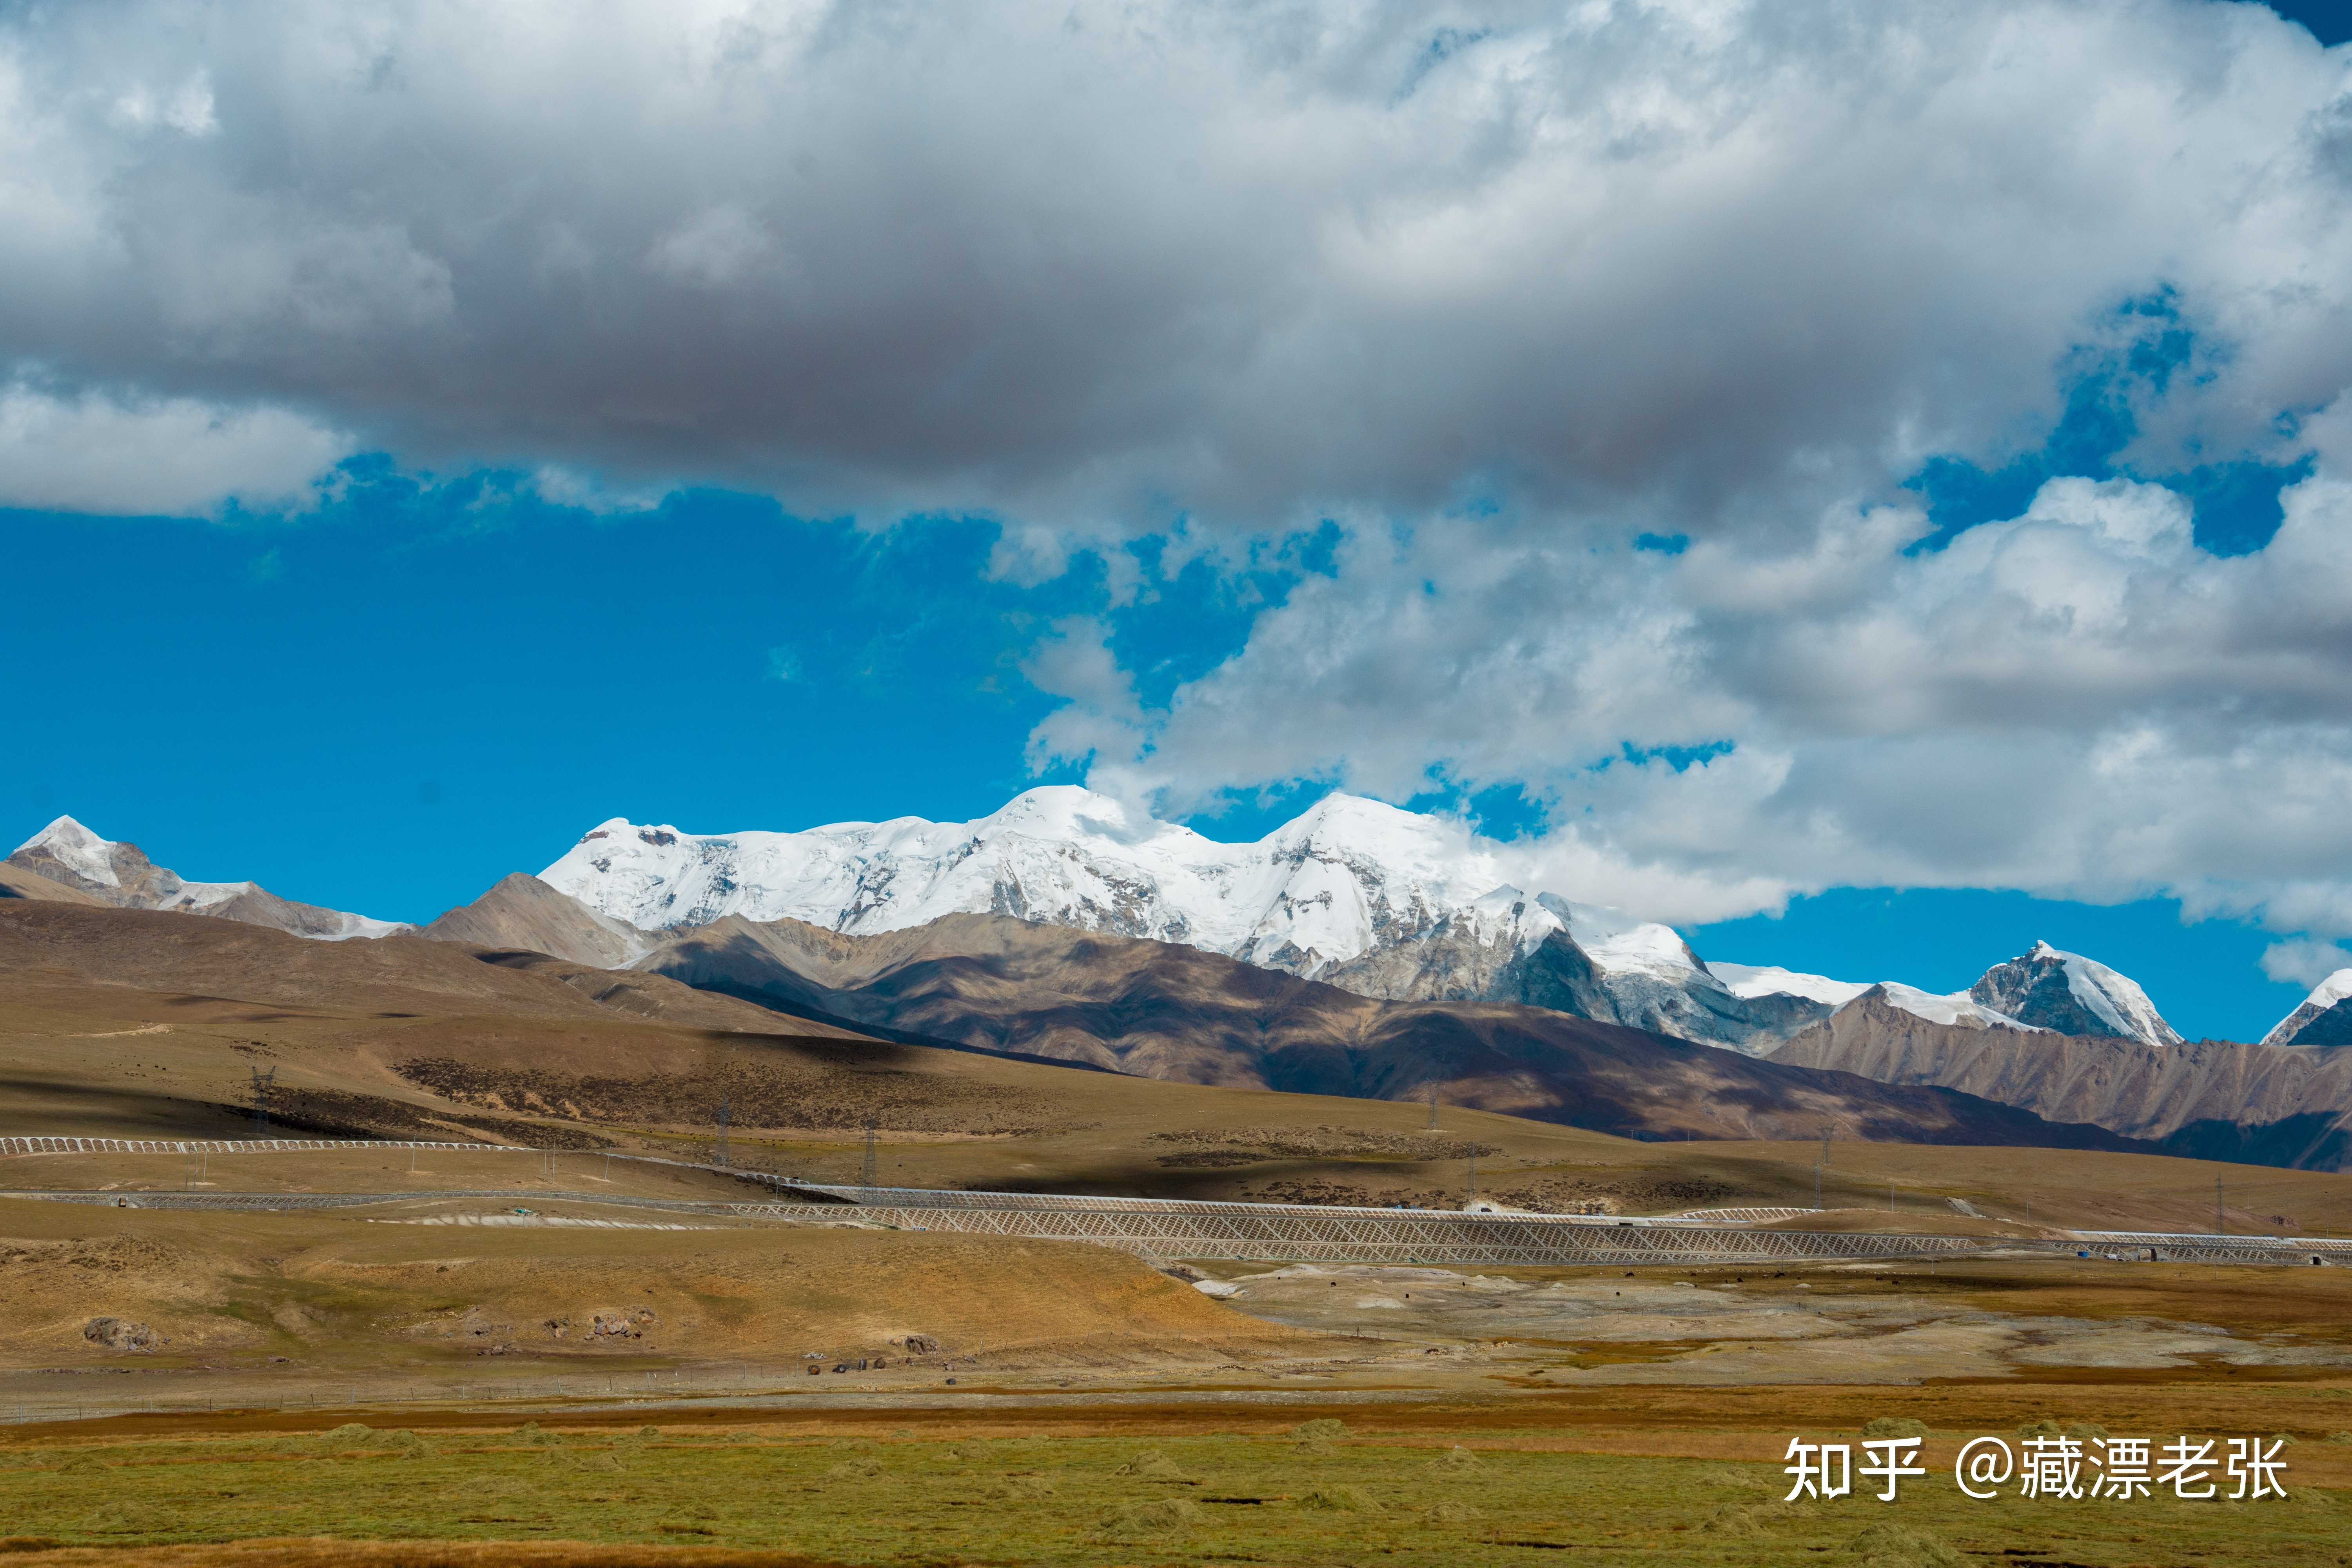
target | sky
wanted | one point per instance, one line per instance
(1870, 485)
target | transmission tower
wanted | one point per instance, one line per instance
(2221, 1223)
(1432, 1108)
(865, 1175)
(1819, 1166)
(261, 1082)
(726, 1117)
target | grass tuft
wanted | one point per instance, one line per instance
(1892, 1545)
(1161, 1516)
(1151, 1465)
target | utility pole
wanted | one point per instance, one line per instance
(2220, 1225)
(866, 1175)
(261, 1082)
(1473, 1173)
(726, 1116)
(1432, 1108)
(1819, 1166)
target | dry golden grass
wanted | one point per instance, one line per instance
(332, 1290)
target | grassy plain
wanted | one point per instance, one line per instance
(1042, 1493)
(1615, 1416)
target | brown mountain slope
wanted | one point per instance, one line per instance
(2213, 1098)
(521, 911)
(395, 977)
(1173, 1011)
(22, 882)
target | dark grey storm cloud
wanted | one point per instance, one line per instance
(1099, 263)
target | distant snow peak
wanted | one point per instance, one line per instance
(2073, 995)
(120, 874)
(67, 843)
(1750, 981)
(1361, 894)
(2324, 1018)
(1959, 1007)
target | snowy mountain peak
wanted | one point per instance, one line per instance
(1751, 981)
(67, 843)
(2052, 989)
(2325, 1018)
(1369, 897)
(120, 874)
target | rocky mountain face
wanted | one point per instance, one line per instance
(71, 855)
(1166, 1010)
(1385, 902)
(2071, 995)
(2325, 1018)
(2213, 1100)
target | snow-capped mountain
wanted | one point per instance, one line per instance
(2325, 1018)
(120, 874)
(2045, 989)
(1751, 981)
(1959, 1007)
(2073, 995)
(1382, 901)
(1377, 900)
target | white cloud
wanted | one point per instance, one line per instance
(1501, 285)
(1099, 268)
(87, 452)
(2078, 701)
(2302, 962)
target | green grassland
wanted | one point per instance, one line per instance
(1311, 1497)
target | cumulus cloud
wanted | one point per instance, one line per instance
(2304, 962)
(2079, 702)
(1498, 286)
(1095, 266)
(90, 452)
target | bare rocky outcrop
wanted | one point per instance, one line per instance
(122, 1334)
(2213, 1099)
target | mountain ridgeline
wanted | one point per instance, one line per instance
(1169, 1010)
(1357, 949)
